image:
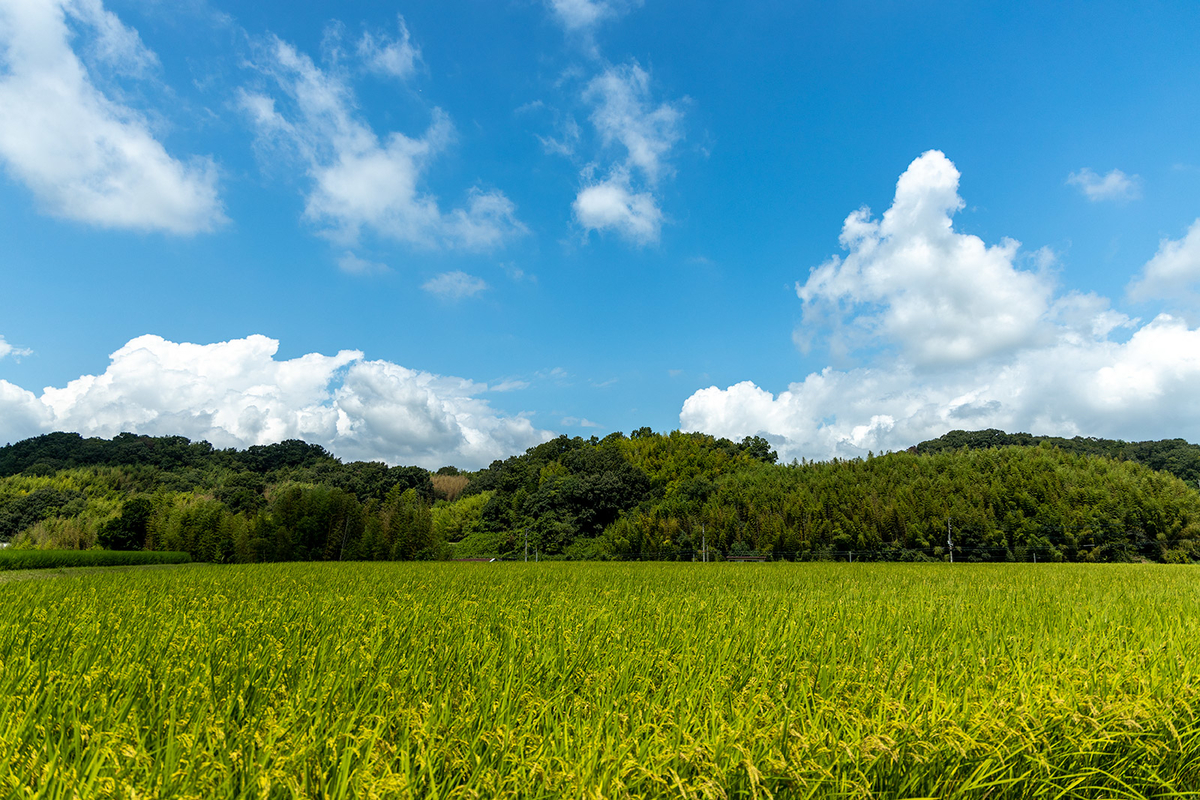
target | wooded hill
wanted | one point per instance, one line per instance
(647, 495)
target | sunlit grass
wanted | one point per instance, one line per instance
(577, 680)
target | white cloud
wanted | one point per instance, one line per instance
(348, 262)
(1145, 388)
(567, 141)
(1172, 270)
(623, 112)
(1029, 362)
(610, 205)
(512, 385)
(454, 285)
(236, 394)
(911, 280)
(1116, 185)
(84, 155)
(359, 181)
(581, 15)
(625, 116)
(7, 349)
(396, 58)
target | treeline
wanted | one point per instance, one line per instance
(647, 495)
(1179, 457)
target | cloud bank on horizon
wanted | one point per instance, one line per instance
(958, 334)
(236, 394)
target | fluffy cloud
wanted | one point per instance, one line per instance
(969, 341)
(624, 115)
(359, 181)
(1172, 270)
(912, 280)
(84, 155)
(454, 285)
(610, 205)
(237, 394)
(396, 58)
(1147, 387)
(7, 349)
(1116, 185)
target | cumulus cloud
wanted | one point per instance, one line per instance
(1146, 387)
(625, 116)
(913, 281)
(237, 394)
(359, 181)
(84, 155)
(969, 341)
(396, 58)
(1173, 270)
(611, 205)
(454, 285)
(7, 349)
(1115, 186)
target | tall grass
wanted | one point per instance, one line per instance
(603, 680)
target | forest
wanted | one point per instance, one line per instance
(676, 496)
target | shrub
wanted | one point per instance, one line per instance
(56, 559)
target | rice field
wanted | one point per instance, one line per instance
(602, 680)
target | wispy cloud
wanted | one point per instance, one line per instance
(454, 285)
(358, 181)
(7, 350)
(579, 422)
(348, 262)
(583, 15)
(1116, 186)
(394, 57)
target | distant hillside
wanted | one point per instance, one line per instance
(1176, 456)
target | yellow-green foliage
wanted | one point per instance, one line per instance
(99, 492)
(453, 521)
(602, 680)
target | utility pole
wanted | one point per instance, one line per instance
(527, 545)
(949, 543)
(704, 544)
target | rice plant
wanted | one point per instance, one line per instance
(603, 680)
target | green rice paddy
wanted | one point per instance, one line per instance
(602, 680)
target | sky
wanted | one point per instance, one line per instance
(441, 233)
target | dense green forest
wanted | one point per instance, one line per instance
(644, 496)
(1176, 456)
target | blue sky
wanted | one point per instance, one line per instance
(442, 232)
